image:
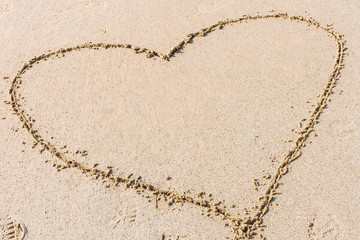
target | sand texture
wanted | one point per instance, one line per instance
(179, 121)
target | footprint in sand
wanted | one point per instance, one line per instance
(323, 228)
(10, 230)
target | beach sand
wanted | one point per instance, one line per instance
(179, 121)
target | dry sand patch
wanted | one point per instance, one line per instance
(205, 113)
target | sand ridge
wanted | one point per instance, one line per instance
(242, 228)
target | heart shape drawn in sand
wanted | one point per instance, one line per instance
(242, 228)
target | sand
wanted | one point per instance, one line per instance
(219, 121)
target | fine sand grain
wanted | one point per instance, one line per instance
(191, 144)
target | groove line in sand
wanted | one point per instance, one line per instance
(243, 228)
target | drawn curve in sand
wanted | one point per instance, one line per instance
(243, 228)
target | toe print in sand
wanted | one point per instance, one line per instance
(11, 230)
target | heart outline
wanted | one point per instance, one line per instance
(242, 228)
